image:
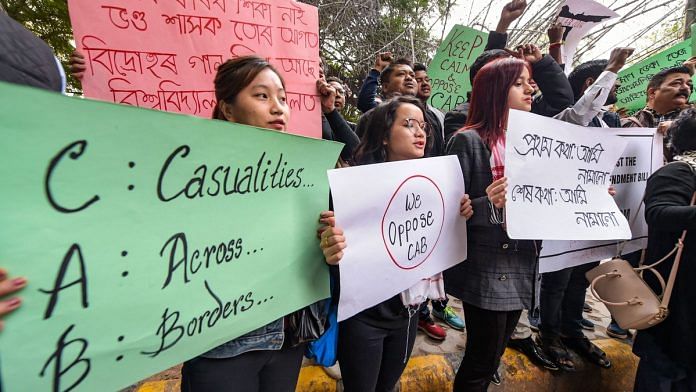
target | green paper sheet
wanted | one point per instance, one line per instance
(147, 237)
(634, 80)
(449, 70)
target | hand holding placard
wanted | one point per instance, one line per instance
(141, 238)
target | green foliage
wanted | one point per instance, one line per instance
(354, 32)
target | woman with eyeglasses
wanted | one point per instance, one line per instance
(375, 344)
(497, 281)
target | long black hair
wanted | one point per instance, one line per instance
(375, 127)
(234, 75)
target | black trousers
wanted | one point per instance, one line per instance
(253, 371)
(657, 373)
(438, 304)
(488, 333)
(372, 358)
(561, 301)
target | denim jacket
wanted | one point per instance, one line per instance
(268, 337)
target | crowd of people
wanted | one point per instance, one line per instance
(503, 295)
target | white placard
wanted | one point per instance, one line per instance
(402, 224)
(579, 17)
(558, 179)
(642, 156)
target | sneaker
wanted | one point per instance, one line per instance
(587, 324)
(586, 308)
(449, 316)
(615, 331)
(431, 329)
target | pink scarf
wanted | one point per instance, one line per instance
(498, 159)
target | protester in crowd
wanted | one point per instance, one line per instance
(668, 94)
(667, 351)
(334, 126)
(556, 93)
(341, 94)
(397, 78)
(548, 75)
(368, 97)
(27, 60)
(423, 93)
(440, 308)
(563, 291)
(497, 280)
(375, 344)
(250, 91)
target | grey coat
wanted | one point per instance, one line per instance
(499, 274)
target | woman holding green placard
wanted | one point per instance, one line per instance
(249, 91)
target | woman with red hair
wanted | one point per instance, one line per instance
(498, 279)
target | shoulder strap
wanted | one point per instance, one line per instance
(675, 267)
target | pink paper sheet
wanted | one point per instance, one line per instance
(163, 54)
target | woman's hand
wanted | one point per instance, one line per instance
(326, 220)
(332, 242)
(465, 208)
(496, 192)
(8, 286)
(612, 190)
(78, 67)
(328, 96)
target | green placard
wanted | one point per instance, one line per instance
(147, 237)
(449, 70)
(634, 80)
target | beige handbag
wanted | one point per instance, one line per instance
(629, 299)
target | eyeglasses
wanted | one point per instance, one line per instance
(412, 123)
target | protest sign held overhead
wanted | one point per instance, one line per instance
(632, 92)
(642, 156)
(449, 70)
(164, 55)
(139, 234)
(404, 228)
(559, 174)
(578, 17)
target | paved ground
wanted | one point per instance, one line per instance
(519, 372)
(456, 340)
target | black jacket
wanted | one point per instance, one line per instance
(335, 127)
(499, 274)
(667, 212)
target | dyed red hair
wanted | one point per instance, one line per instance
(488, 109)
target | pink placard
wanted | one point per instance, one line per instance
(163, 54)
